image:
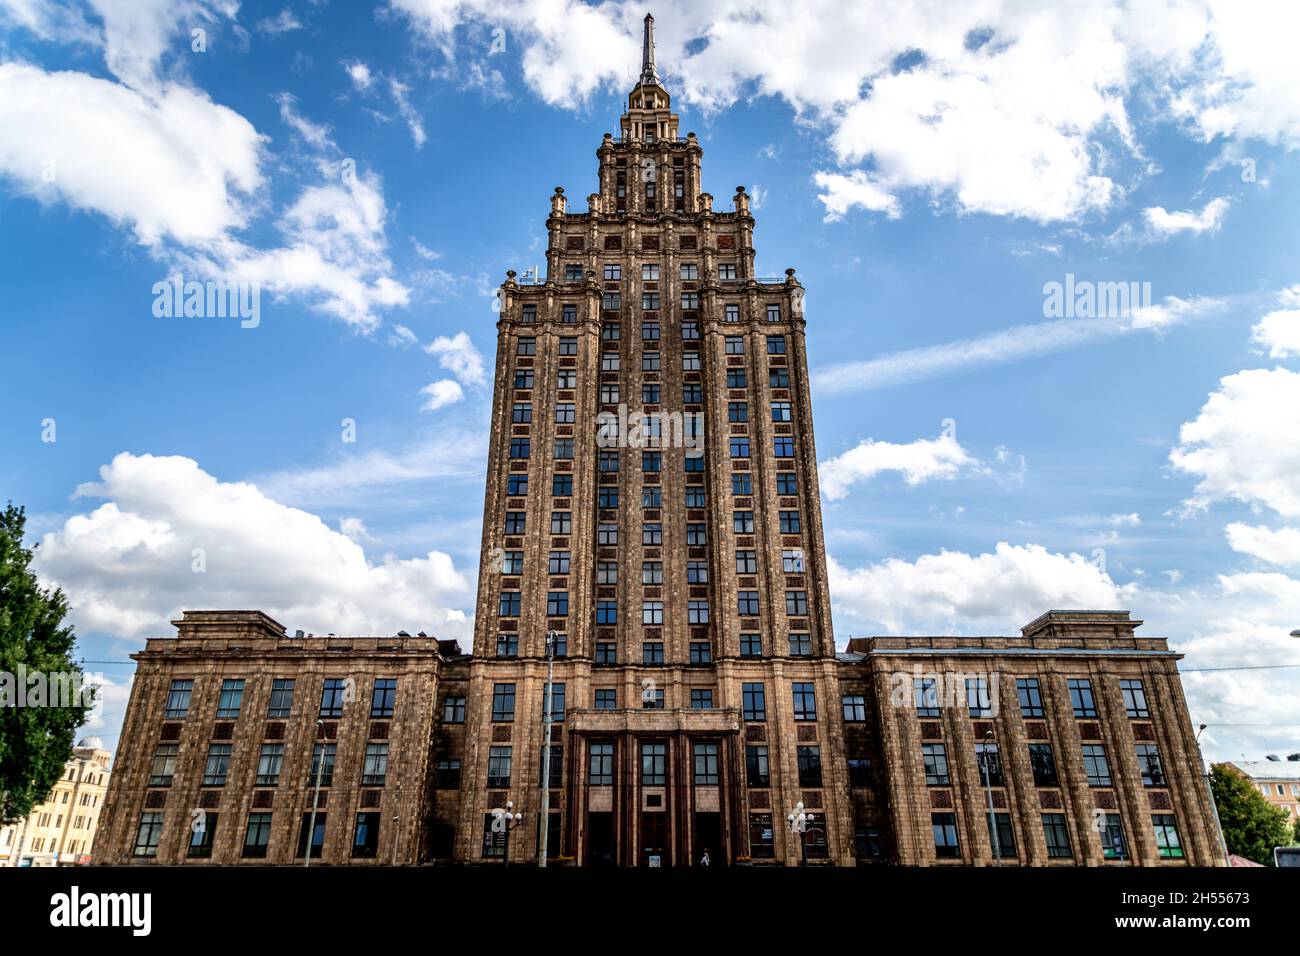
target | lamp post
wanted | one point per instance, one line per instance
(799, 819)
(545, 823)
(315, 800)
(1209, 788)
(505, 821)
(988, 790)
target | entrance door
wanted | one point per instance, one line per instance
(708, 836)
(654, 840)
(600, 839)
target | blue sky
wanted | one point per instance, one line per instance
(377, 167)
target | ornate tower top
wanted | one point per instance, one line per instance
(649, 76)
(649, 117)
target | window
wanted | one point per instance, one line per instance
(569, 316)
(232, 698)
(1043, 763)
(573, 272)
(855, 707)
(781, 412)
(524, 378)
(1111, 830)
(726, 270)
(776, 345)
(747, 603)
(326, 752)
(742, 483)
(649, 331)
(691, 361)
(606, 653)
(654, 765)
(977, 697)
(1153, 771)
(789, 522)
(383, 698)
(778, 378)
(926, 696)
(1081, 698)
(650, 362)
(147, 835)
(510, 604)
(783, 447)
(756, 768)
(652, 462)
(860, 772)
(697, 612)
(751, 645)
(608, 462)
(606, 698)
(613, 271)
(787, 483)
(507, 645)
(649, 300)
(600, 765)
(503, 702)
(690, 300)
(1135, 698)
(281, 702)
(701, 652)
(521, 412)
(607, 497)
(178, 699)
(365, 835)
(568, 345)
(650, 271)
(735, 378)
(562, 485)
(753, 701)
(563, 449)
(163, 768)
(610, 332)
(557, 603)
(650, 394)
(556, 768)
(1031, 697)
(810, 766)
(611, 301)
(269, 762)
(944, 826)
(453, 710)
(773, 312)
(796, 603)
(652, 496)
(1057, 836)
(792, 561)
(1006, 834)
(692, 394)
(332, 696)
(653, 698)
(742, 522)
(498, 775)
(375, 769)
(1095, 765)
(565, 414)
(800, 645)
(202, 837)
(609, 362)
(761, 843)
(514, 522)
(527, 345)
(520, 448)
(805, 700)
(652, 612)
(557, 701)
(529, 316)
(989, 763)
(257, 835)
(1167, 843)
(935, 759)
(706, 765)
(739, 447)
(566, 378)
(695, 534)
(561, 522)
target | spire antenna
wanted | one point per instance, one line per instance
(648, 72)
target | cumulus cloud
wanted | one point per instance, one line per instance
(925, 459)
(1164, 223)
(1242, 446)
(458, 355)
(441, 393)
(1281, 546)
(359, 74)
(170, 536)
(1279, 330)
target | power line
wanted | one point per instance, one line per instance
(1250, 667)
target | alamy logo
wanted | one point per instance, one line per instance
(637, 429)
(1083, 299)
(24, 688)
(74, 908)
(177, 298)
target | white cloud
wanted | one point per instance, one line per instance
(1242, 446)
(359, 74)
(317, 135)
(1121, 521)
(1164, 224)
(408, 112)
(441, 393)
(845, 192)
(128, 564)
(458, 355)
(955, 592)
(1279, 330)
(1276, 547)
(283, 22)
(355, 529)
(925, 459)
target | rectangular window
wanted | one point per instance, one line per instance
(1135, 698)
(789, 522)
(800, 644)
(1153, 771)
(697, 572)
(1111, 830)
(735, 378)
(514, 523)
(557, 603)
(561, 522)
(498, 775)
(652, 652)
(739, 447)
(607, 497)
(756, 769)
(776, 345)
(503, 702)
(860, 773)
(1006, 834)
(520, 448)
(257, 835)
(810, 766)
(792, 561)
(383, 698)
(787, 483)
(796, 603)
(753, 701)
(147, 835)
(935, 759)
(783, 447)
(562, 485)
(566, 378)
(778, 378)
(855, 707)
(652, 612)
(163, 768)
(327, 753)
(568, 343)
(773, 312)
(606, 653)
(692, 394)
(527, 345)
(178, 700)
(702, 697)
(1168, 845)
(556, 768)
(365, 835)
(762, 844)
(701, 652)
(202, 837)
(696, 534)
(453, 710)
(706, 765)
(521, 413)
(1057, 836)
(805, 700)
(1081, 698)
(509, 605)
(613, 271)
(606, 698)
(977, 697)
(1043, 764)
(217, 765)
(654, 765)
(689, 271)
(726, 270)
(697, 612)
(988, 761)
(600, 768)
(1095, 765)
(690, 300)
(572, 272)
(269, 762)
(524, 378)
(607, 612)
(281, 702)
(782, 412)
(1031, 697)
(751, 645)
(232, 699)
(944, 827)
(375, 769)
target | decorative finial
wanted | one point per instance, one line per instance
(648, 73)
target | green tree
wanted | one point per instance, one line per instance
(1251, 825)
(35, 741)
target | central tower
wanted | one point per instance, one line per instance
(652, 499)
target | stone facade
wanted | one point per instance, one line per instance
(61, 831)
(652, 538)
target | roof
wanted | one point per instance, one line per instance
(1268, 769)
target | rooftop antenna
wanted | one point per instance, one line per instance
(531, 276)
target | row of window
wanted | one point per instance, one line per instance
(1056, 834)
(270, 765)
(526, 345)
(335, 692)
(652, 572)
(651, 424)
(651, 392)
(1029, 692)
(652, 652)
(1042, 762)
(257, 835)
(742, 483)
(510, 604)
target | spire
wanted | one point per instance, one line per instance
(648, 73)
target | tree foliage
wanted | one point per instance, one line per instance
(36, 726)
(1252, 826)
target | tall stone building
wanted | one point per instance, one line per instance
(653, 548)
(652, 500)
(61, 830)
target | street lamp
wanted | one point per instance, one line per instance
(315, 800)
(988, 789)
(505, 821)
(799, 820)
(1209, 789)
(545, 823)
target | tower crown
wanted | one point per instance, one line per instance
(649, 115)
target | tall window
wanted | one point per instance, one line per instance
(365, 835)
(1031, 697)
(1043, 764)
(926, 696)
(977, 697)
(1153, 771)
(453, 709)
(1135, 698)
(1168, 845)
(944, 827)
(753, 701)
(503, 702)
(322, 752)
(654, 765)
(805, 700)
(1111, 830)
(202, 837)
(1006, 842)
(178, 699)
(855, 707)
(706, 765)
(333, 690)
(217, 765)
(810, 766)
(600, 772)
(269, 762)
(257, 835)
(374, 771)
(316, 835)
(232, 699)
(1095, 765)
(281, 702)
(163, 768)
(383, 698)
(1057, 836)
(756, 767)
(1081, 698)
(147, 834)
(935, 759)
(498, 776)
